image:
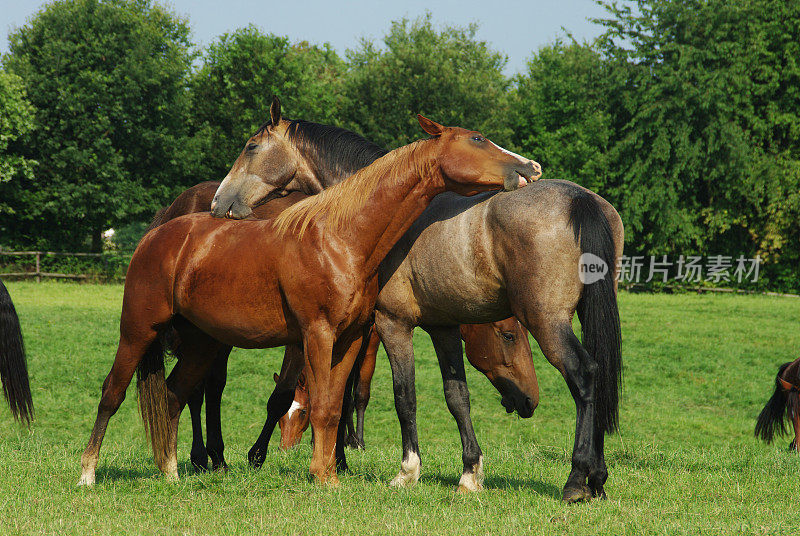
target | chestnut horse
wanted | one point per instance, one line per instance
(13, 365)
(309, 276)
(493, 256)
(772, 419)
(499, 349)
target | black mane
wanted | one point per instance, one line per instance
(335, 153)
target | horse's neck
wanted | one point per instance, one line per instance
(392, 208)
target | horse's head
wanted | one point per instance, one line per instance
(269, 166)
(296, 420)
(470, 163)
(501, 351)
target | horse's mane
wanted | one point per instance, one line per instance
(334, 151)
(339, 204)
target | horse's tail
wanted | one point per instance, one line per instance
(597, 309)
(772, 419)
(13, 366)
(152, 390)
(158, 219)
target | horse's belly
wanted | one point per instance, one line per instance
(247, 312)
(464, 298)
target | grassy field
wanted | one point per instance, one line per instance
(698, 369)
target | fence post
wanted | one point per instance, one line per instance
(38, 270)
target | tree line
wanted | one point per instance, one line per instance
(683, 114)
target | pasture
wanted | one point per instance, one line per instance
(697, 371)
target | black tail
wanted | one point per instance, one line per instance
(13, 366)
(597, 309)
(772, 420)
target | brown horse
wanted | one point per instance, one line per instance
(308, 276)
(500, 350)
(772, 419)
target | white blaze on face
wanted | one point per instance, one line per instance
(294, 407)
(536, 166)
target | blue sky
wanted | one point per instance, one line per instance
(514, 27)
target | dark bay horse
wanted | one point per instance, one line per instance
(13, 365)
(309, 276)
(493, 256)
(500, 350)
(772, 420)
(328, 155)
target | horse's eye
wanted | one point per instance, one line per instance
(508, 336)
(252, 147)
(479, 139)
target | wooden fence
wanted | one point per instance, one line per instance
(38, 274)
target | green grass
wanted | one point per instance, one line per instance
(698, 369)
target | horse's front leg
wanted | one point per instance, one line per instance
(329, 368)
(279, 401)
(447, 343)
(198, 454)
(215, 381)
(397, 340)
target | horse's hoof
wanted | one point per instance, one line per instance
(402, 481)
(352, 442)
(86, 481)
(575, 495)
(219, 467)
(199, 466)
(256, 458)
(468, 489)
(599, 493)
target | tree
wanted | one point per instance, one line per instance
(560, 113)
(108, 81)
(708, 159)
(233, 90)
(448, 75)
(16, 121)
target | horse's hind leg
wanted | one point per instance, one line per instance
(563, 350)
(197, 352)
(279, 402)
(199, 454)
(397, 340)
(447, 343)
(362, 390)
(129, 354)
(215, 381)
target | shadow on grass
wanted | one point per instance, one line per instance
(503, 483)
(111, 474)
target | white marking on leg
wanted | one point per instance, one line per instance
(472, 480)
(409, 471)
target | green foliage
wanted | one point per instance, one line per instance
(233, 90)
(707, 154)
(108, 80)
(560, 113)
(16, 120)
(447, 75)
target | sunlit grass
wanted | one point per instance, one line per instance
(698, 369)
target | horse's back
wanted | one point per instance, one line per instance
(465, 257)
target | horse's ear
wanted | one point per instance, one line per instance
(301, 380)
(275, 110)
(276, 377)
(431, 127)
